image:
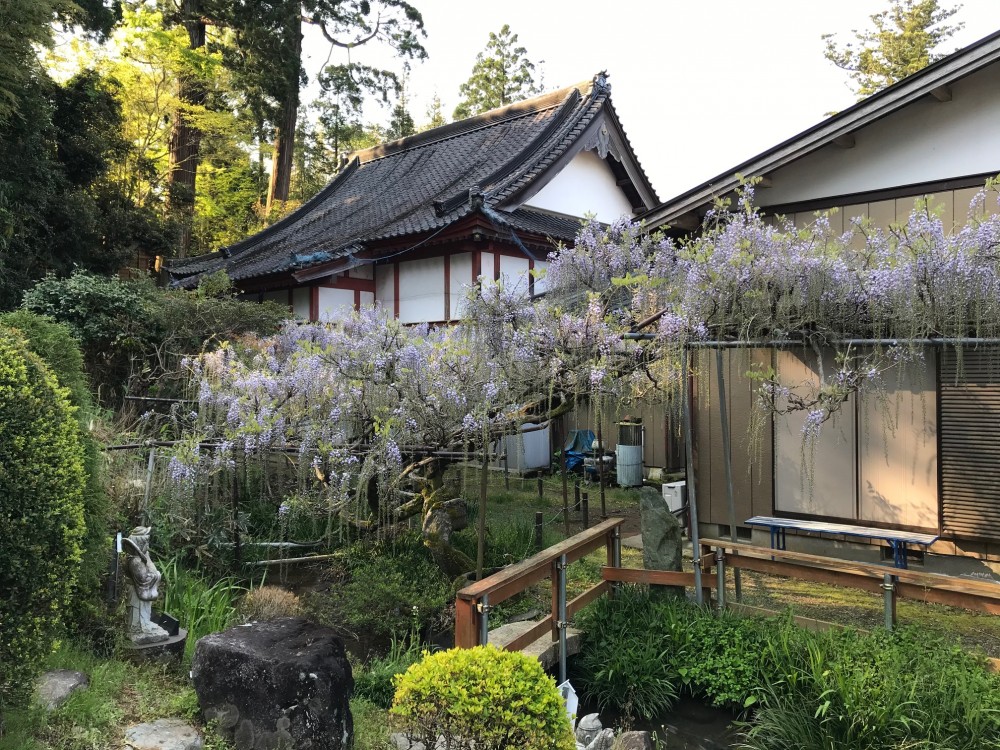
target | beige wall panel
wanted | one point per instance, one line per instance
(761, 460)
(803, 219)
(836, 221)
(854, 211)
(719, 510)
(963, 202)
(820, 480)
(738, 397)
(882, 213)
(943, 204)
(702, 435)
(904, 207)
(897, 448)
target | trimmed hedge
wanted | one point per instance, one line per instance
(483, 698)
(42, 481)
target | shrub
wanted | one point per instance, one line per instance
(128, 328)
(268, 603)
(54, 343)
(381, 584)
(484, 698)
(376, 681)
(626, 662)
(42, 483)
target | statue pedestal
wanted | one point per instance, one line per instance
(171, 649)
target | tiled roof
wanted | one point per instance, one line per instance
(420, 184)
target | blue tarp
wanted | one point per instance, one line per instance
(578, 445)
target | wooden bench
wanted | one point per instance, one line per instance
(897, 540)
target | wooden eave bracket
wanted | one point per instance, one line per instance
(942, 93)
(844, 141)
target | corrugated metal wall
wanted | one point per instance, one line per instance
(970, 443)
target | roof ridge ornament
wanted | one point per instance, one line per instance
(601, 85)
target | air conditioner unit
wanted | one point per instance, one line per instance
(675, 495)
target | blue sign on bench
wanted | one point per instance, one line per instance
(898, 540)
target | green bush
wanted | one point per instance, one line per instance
(484, 698)
(627, 660)
(54, 343)
(128, 330)
(375, 682)
(862, 691)
(42, 482)
(380, 584)
(843, 689)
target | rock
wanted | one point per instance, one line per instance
(163, 734)
(53, 688)
(603, 741)
(402, 742)
(446, 518)
(661, 537)
(278, 684)
(634, 741)
(588, 728)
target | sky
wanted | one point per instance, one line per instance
(699, 86)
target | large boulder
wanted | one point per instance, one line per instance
(279, 684)
(662, 543)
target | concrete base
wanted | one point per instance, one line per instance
(171, 649)
(544, 649)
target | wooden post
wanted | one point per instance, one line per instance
(586, 511)
(554, 611)
(689, 476)
(237, 548)
(600, 467)
(481, 521)
(541, 489)
(576, 496)
(466, 624)
(565, 493)
(539, 527)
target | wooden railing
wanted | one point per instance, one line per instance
(472, 603)
(892, 583)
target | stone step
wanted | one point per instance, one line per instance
(544, 649)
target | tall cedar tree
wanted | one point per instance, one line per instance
(502, 75)
(903, 41)
(267, 57)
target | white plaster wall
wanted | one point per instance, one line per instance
(367, 299)
(362, 272)
(514, 273)
(335, 303)
(927, 140)
(459, 281)
(585, 185)
(486, 265)
(421, 290)
(385, 293)
(540, 282)
(300, 302)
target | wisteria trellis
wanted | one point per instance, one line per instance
(367, 401)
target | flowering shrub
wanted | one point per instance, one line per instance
(483, 698)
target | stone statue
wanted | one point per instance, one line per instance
(143, 578)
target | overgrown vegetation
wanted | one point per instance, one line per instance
(133, 334)
(797, 688)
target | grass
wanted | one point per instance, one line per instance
(858, 609)
(120, 694)
(202, 606)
